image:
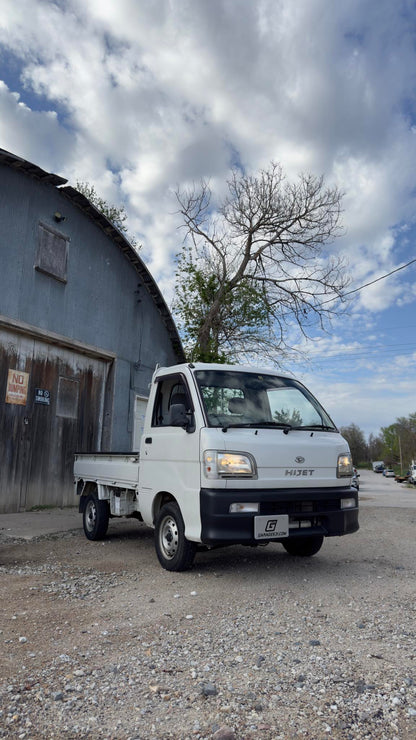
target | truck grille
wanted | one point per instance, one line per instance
(299, 507)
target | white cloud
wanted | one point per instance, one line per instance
(138, 98)
(166, 91)
(26, 132)
(370, 401)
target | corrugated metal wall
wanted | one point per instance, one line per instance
(83, 325)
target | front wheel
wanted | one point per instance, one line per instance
(173, 550)
(95, 517)
(304, 547)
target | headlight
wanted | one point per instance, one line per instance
(228, 464)
(348, 503)
(344, 466)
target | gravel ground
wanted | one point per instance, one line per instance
(100, 642)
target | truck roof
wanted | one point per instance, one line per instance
(220, 366)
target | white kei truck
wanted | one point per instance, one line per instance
(229, 455)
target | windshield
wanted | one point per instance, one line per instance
(245, 399)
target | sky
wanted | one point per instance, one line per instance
(140, 97)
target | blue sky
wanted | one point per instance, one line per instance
(140, 97)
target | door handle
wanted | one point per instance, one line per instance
(148, 441)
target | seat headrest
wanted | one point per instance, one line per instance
(178, 398)
(236, 405)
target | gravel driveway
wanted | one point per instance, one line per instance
(100, 642)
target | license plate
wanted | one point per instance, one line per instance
(271, 527)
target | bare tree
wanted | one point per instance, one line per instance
(256, 265)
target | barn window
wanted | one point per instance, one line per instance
(52, 254)
(67, 401)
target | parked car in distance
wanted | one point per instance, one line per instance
(378, 466)
(389, 473)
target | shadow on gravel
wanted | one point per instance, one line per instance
(130, 544)
(128, 530)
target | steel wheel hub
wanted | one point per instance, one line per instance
(169, 537)
(90, 516)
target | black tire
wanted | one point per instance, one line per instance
(305, 547)
(173, 550)
(95, 517)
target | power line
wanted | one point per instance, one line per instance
(396, 328)
(370, 354)
(383, 277)
(370, 347)
(364, 350)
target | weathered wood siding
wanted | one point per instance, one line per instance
(38, 438)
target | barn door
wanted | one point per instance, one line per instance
(62, 413)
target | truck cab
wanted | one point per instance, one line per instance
(229, 455)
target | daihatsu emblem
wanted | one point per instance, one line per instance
(299, 459)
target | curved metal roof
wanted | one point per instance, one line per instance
(11, 160)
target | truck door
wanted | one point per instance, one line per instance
(169, 459)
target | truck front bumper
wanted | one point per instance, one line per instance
(311, 512)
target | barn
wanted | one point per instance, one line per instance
(82, 327)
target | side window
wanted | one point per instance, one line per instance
(170, 391)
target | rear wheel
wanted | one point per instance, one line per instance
(304, 547)
(173, 550)
(95, 517)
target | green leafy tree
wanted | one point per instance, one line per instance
(356, 441)
(240, 318)
(116, 214)
(391, 449)
(256, 264)
(399, 441)
(375, 447)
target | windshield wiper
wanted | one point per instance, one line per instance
(313, 427)
(258, 425)
(278, 425)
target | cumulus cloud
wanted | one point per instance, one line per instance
(166, 92)
(26, 132)
(369, 400)
(140, 98)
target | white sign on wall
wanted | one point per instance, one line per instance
(17, 385)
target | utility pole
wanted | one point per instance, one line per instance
(400, 453)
